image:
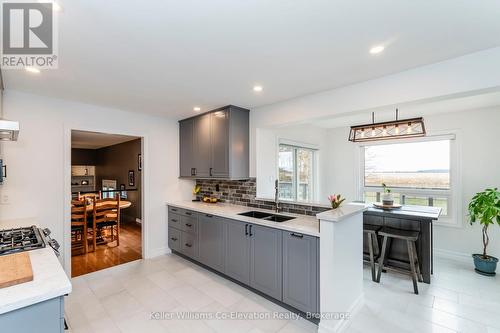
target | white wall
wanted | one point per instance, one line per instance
(267, 141)
(36, 185)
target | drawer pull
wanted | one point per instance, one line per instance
(293, 234)
(246, 229)
(189, 225)
(188, 245)
(174, 239)
(174, 209)
(174, 220)
(189, 213)
(209, 215)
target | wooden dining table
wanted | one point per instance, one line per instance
(123, 204)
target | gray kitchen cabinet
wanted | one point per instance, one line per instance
(216, 144)
(186, 147)
(43, 317)
(174, 239)
(220, 143)
(202, 145)
(300, 271)
(174, 220)
(237, 251)
(266, 256)
(189, 245)
(210, 241)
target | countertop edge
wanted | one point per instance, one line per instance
(343, 212)
(279, 226)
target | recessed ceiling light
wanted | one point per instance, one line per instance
(197, 109)
(257, 88)
(32, 70)
(377, 49)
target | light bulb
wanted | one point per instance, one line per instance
(384, 131)
(362, 133)
(373, 132)
(397, 130)
(409, 128)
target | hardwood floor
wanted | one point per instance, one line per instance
(106, 256)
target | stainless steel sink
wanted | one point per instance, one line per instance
(267, 216)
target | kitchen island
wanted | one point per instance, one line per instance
(414, 218)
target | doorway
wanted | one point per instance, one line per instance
(106, 200)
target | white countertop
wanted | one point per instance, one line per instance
(343, 212)
(49, 280)
(307, 225)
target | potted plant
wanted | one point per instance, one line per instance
(485, 209)
(335, 200)
(387, 198)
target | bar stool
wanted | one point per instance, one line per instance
(373, 249)
(411, 238)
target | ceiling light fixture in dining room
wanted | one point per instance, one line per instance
(395, 129)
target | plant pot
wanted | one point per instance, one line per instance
(485, 266)
(387, 199)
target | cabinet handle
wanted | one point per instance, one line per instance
(246, 229)
(4, 171)
(210, 172)
(174, 220)
(188, 245)
(189, 213)
(174, 239)
(293, 234)
(209, 215)
(174, 209)
(250, 230)
(189, 225)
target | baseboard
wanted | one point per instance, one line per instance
(158, 252)
(343, 324)
(453, 255)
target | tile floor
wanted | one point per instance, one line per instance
(122, 298)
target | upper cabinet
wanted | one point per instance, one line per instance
(215, 144)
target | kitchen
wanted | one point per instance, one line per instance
(275, 248)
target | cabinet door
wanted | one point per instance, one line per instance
(211, 245)
(186, 145)
(189, 245)
(237, 251)
(220, 143)
(202, 146)
(266, 260)
(174, 239)
(300, 271)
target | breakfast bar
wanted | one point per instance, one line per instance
(412, 218)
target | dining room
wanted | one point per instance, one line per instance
(106, 200)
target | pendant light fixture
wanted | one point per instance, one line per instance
(396, 129)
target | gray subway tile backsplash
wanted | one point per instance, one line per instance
(243, 192)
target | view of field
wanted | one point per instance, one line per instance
(428, 180)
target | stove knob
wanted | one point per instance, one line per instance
(46, 231)
(54, 244)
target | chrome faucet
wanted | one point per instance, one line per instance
(276, 196)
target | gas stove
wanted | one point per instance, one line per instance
(25, 239)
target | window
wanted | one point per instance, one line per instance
(296, 173)
(418, 173)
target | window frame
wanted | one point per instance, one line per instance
(314, 184)
(454, 218)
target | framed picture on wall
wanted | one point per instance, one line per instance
(139, 162)
(131, 178)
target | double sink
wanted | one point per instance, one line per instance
(267, 216)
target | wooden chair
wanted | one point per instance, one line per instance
(106, 215)
(79, 225)
(91, 196)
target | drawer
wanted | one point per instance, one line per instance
(189, 245)
(174, 221)
(189, 224)
(175, 210)
(174, 239)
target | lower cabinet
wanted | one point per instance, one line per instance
(278, 263)
(211, 241)
(300, 271)
(237, 251)
(266, 260)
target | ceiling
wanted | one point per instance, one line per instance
(475, 101)
(164, 57)
(94, 140)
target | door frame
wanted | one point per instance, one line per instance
(99, 128)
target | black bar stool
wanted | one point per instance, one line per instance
(411, 238)
(373, 249)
